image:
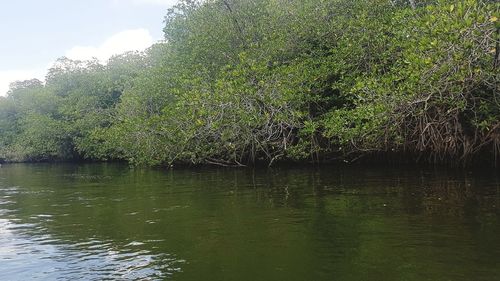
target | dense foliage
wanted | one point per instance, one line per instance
(244, 81)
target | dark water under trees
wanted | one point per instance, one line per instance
(110, 222)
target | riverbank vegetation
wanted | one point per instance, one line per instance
(237, 82)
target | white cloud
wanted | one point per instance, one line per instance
(128, 40)
(9, 76)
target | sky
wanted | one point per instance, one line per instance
(34, 33)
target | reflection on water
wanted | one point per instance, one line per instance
(110, 222)
(27, 252)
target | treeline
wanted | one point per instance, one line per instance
(237, 82)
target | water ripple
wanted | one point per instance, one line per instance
(28, 255)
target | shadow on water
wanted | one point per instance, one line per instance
(107, 221)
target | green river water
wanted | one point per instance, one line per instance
(111, 222)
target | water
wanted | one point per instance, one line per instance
(110, 222)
